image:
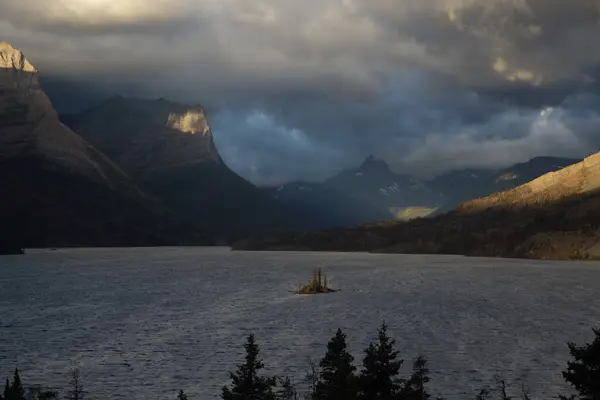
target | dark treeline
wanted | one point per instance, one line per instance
(336, 377)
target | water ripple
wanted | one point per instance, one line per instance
(144, 323)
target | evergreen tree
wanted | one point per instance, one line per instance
(378, 378)
(16, 390)
(286, 390)
(247, 384)
(6, 390)
(483, 394)
(584, 372)
(414, 387)
(312, 379)
(182, 396)
(337, 380)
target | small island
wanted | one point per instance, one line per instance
(317, 285)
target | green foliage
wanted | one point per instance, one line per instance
(583, 373)
(337, 380)
(378, 379)
(247, 384)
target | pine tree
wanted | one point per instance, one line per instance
(6, 390)
(312, 379)
(483, 394)
(337, 380)
(287, 391)
(16, 390)
(414, 387)
(247, 384)
(584, 372)
(182, 396)
(379, 377)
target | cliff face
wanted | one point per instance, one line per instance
(30, 126)
(556, 216)
(145, 136)
(168, 149)
(57, 188)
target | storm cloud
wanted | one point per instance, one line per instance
(301, 89)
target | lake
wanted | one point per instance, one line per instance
(144, 323)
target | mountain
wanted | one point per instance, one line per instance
(555, 216)
(58, 190)
(463, 185)
(372, 192)
(169, 151)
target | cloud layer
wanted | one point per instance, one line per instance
(298, 90)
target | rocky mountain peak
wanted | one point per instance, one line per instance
(374, 164)
(11, 58)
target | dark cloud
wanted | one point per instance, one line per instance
(299, 90)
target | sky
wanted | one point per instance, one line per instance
(298, 90)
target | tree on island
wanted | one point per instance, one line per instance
(317, 284)
(378, 378)
(246, 382)
(337, 380)
(583, 373)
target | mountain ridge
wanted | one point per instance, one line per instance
(169, 150)
(372, 191)
(556, 216)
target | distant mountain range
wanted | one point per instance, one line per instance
(372, 192)
(133, 172)
(555, 216)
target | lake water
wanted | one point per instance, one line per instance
(143, 323)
